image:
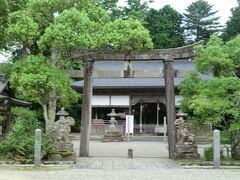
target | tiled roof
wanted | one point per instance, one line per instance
(115, 83)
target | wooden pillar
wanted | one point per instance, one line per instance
(158, 113)
(170, 105)
(8, 119)
(86, 110)
(140, 125)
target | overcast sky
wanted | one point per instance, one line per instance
(223, 6)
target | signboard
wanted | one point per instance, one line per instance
(129, 124)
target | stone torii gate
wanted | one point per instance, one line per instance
(166, 55)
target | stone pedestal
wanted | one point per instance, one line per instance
(186, 147)
(112, 135)
(62, 151)
(62, 156)
(63, 146)
(187, 151)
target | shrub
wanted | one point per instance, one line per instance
(208, 154)
(236, 153)
(19, 143)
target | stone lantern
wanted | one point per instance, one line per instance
(181, 115)
(111, 133)
(62, 114)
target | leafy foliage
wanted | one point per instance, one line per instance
(215, 101)
(110, 6)
(19, 143)
(165, 27)
(200, 21)
(233, 47)
(34, 78)
(22, 29)
(5, 68)
(214, 58)
(3, 21)
(136, 9)
(67, 34)
(208, 154)
(125, 35)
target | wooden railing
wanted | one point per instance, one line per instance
(99, 126)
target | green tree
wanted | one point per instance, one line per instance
(213, 59)
(3, 21)
(232, 26)
(165, 27)
(48, 37)
(233, 47)
(34, 79)
(215, 101)
(5, 68)
(136, 9)
(125, 35)
(200, 21)
(111, 8)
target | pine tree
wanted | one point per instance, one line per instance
(200, 21)
(233, 25)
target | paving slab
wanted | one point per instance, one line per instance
(115, 163)
(146, 149)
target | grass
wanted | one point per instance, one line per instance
(32, 168)
(202, 162)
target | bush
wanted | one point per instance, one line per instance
(236, 153)
(19, 143)
(208, 154)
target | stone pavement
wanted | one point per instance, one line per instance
(109, 163)
(146, 149)
(96, 174)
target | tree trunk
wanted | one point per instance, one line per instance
(49, 113)
(47, 121)
(52, 106)
(49, 109)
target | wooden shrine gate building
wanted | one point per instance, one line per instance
(142, 83)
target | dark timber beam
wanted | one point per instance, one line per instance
(170, 105)
(86, 110)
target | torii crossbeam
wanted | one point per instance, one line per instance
(166, 55)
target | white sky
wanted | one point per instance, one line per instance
(223, 6)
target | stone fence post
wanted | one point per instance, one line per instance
(37, 148)
(216, 149)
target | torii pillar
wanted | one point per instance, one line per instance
(170, 105)
(86, 110)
